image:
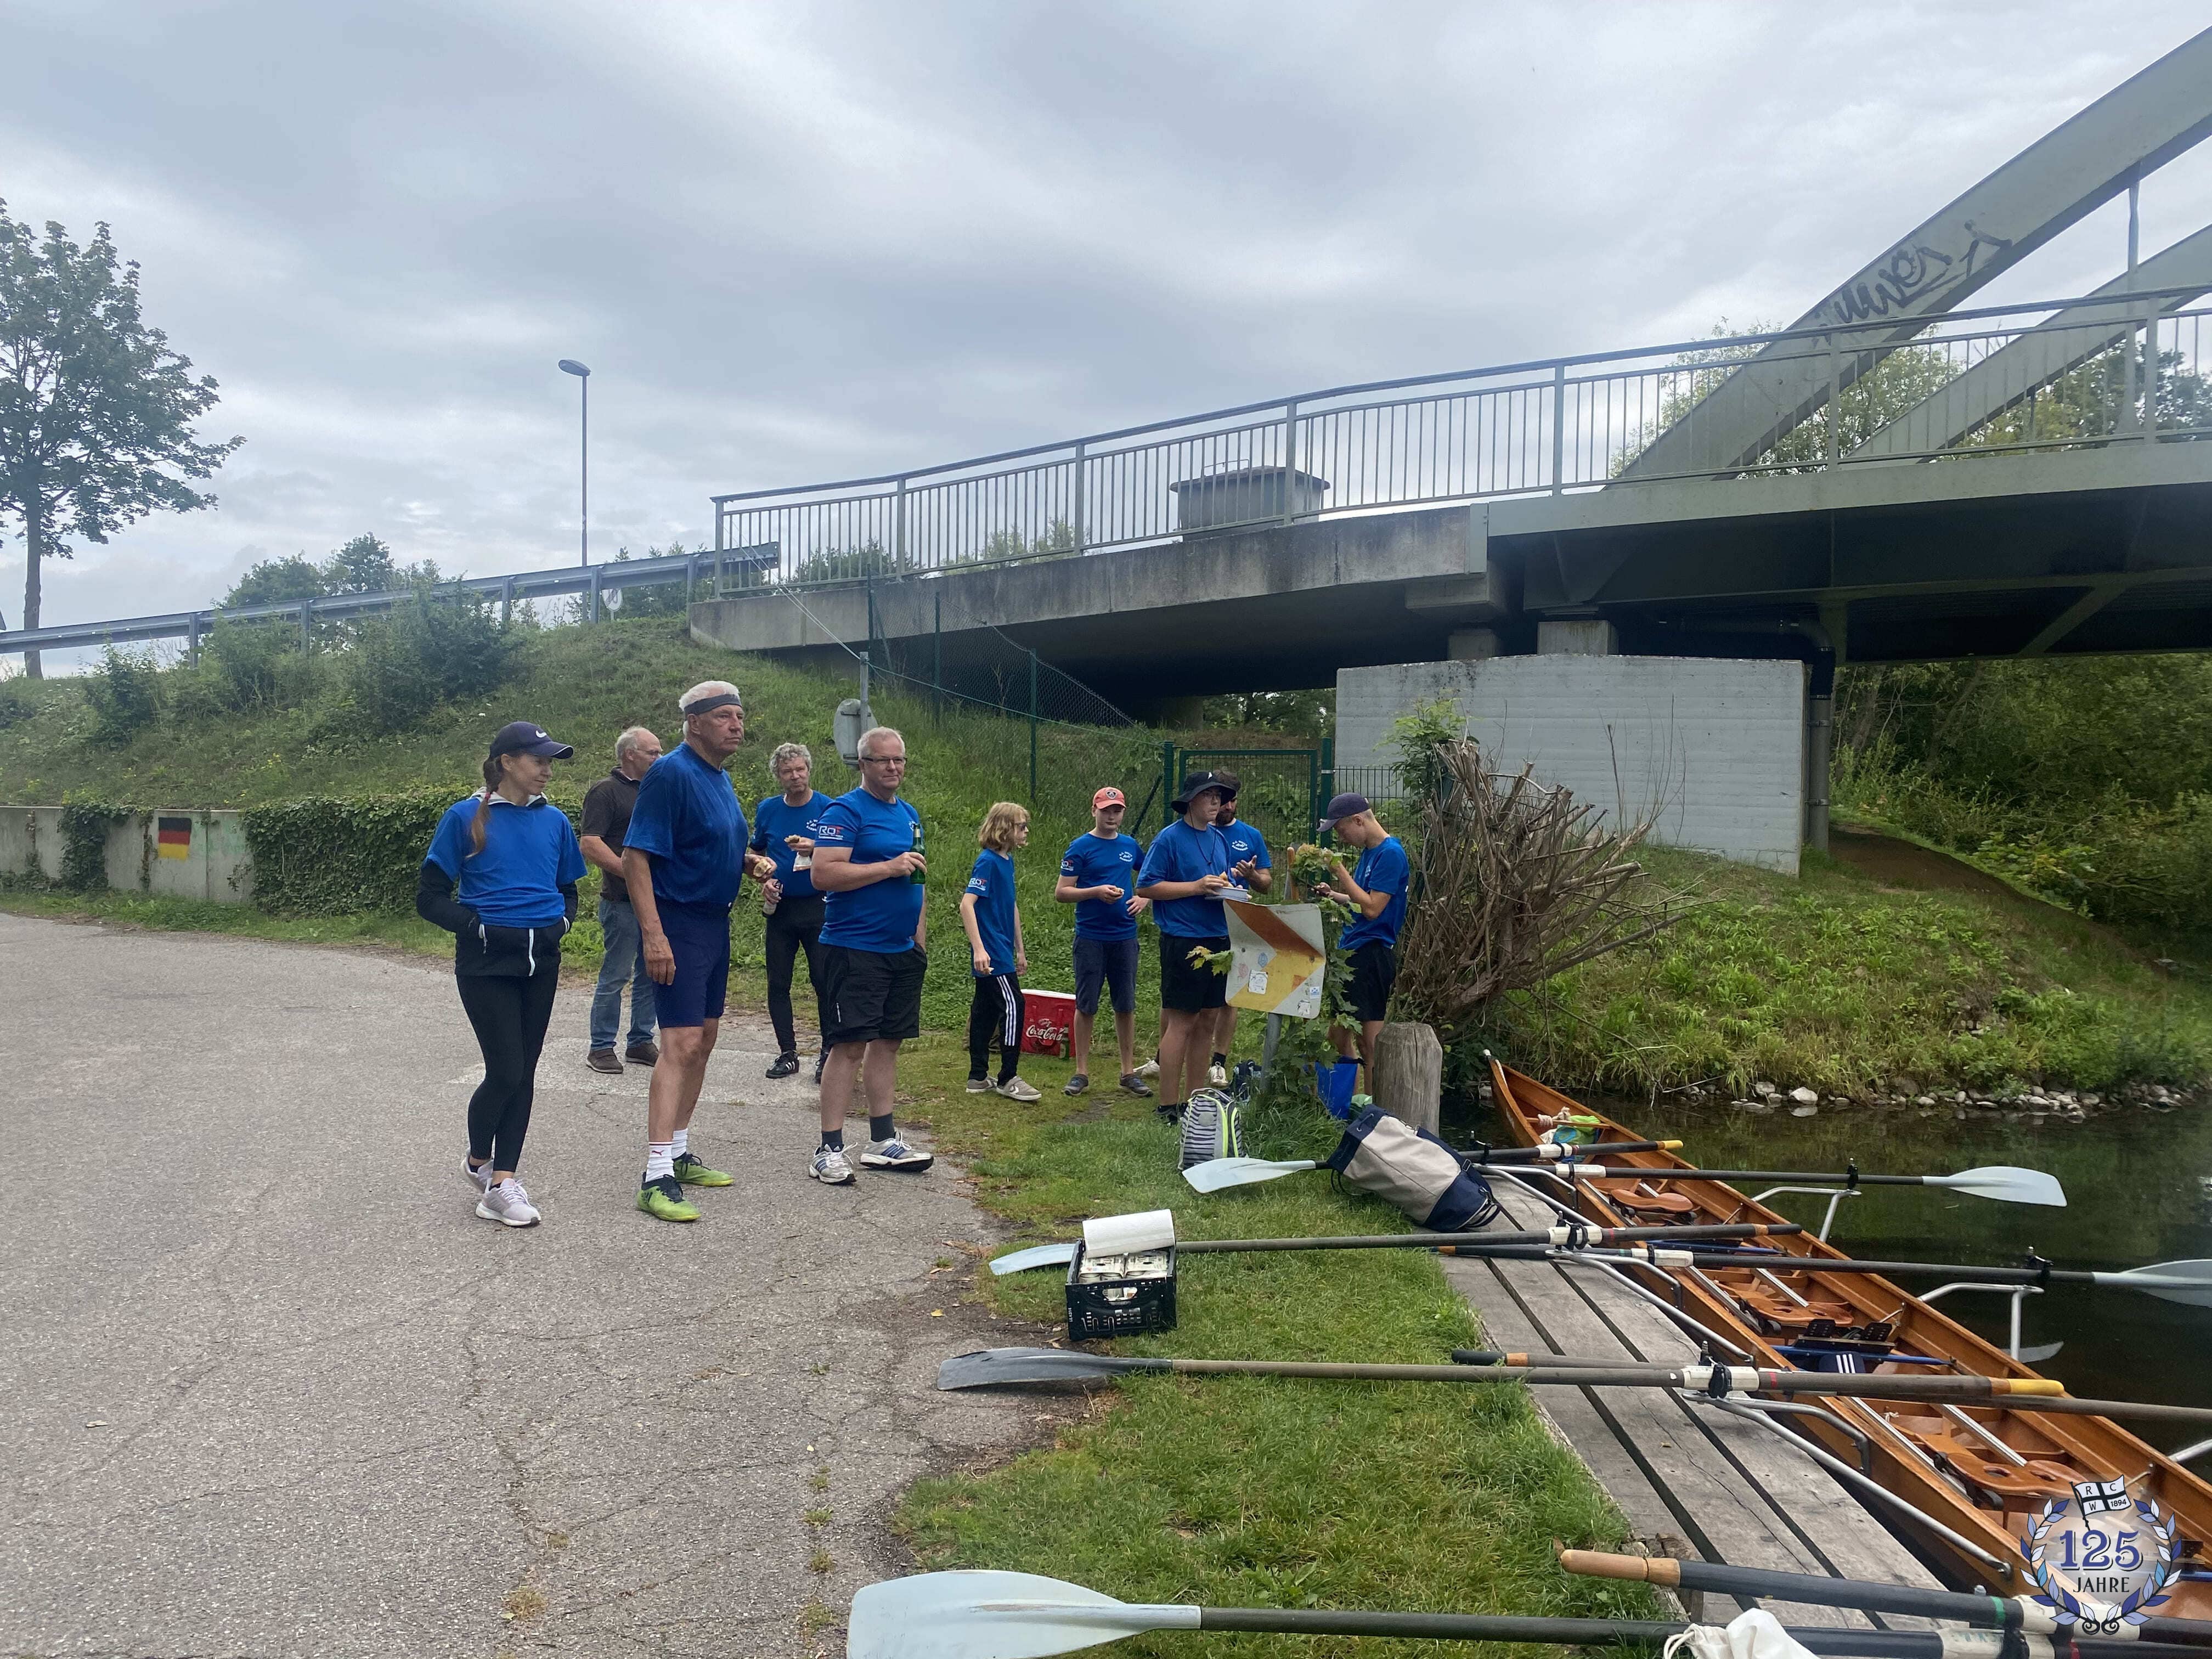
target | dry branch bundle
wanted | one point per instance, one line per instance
(1515, 881)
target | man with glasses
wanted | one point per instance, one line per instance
(784, 827)
(1098, 877)
(868, 859)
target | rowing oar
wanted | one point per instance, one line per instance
(1813, 1590)
(1021, 1615)
(2002, 1182)
(2187, 1281)
(1051, 1255)
(1216, 1173)
(1010, 1367)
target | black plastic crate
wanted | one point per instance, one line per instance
(1119, 1307)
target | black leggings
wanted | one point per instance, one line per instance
(510, 1013)
(998, 1012)
(794, 926)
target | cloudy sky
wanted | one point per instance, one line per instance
(797, 242)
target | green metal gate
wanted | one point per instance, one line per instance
(1280, 792)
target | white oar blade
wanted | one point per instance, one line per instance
(2170, 1281)
(2005, 1184)
(993, 1615)
(1217, 1173)
(2040, 1353)
(1038, 1256)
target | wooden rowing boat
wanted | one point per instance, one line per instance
(1982, 1471)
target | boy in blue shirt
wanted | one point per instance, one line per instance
(683, 858)
(784, 827)
(993, 922)
(1249, 864)
(868, 858)
(1098, 877)
(1183, 876)
(1375, 887)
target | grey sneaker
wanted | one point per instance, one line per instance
(979, 1086)
(830, 1166)
(1078, 1085)
(507, 1203)
(895, 1154)
(1015, 1088)
(478, 1174)
(1135, 1083)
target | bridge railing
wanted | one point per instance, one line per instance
(2048, 375)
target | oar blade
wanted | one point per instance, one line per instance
(2189, 1282)
(989, 1368)
(2005, 1184)
(1038, 1256)
(992, 1615)
(1217, 1174)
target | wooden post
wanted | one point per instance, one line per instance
(1409, 1075)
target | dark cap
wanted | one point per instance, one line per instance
(1340, 808)
(1197, 783)
(528, 737)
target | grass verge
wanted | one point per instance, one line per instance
(1250, 1491)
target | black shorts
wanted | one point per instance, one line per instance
(1184, 987)
(1109, 962)
(870, 994)
(1374, 971)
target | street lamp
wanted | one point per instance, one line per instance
(570, 366)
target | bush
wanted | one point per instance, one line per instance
(445, 645)
(18, 703)
(124, 694)
(331, 855)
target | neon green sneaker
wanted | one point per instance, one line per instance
(690, 1170)
(663, 1200)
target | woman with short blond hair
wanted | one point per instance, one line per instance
(994, 924)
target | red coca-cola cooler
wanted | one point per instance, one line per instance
(1050, 1028)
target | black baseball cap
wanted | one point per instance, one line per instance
(1340, 808)
(528, 737)
(1197, 784)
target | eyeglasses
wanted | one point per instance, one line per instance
(883, 760)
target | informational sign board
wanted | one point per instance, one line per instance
(1279, 958)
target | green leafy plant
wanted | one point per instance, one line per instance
(124, 694)
(85, 824)
(448, 644)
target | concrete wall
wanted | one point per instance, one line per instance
(207, 858)
(1713, 748)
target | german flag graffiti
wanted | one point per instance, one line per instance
(173, 837)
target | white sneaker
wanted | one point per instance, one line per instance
(507, 1203)
(479, 1175)
(1218, 1076)
(895, 1154)
(1015, 1088)
(1149, 1069)
(830, 1166)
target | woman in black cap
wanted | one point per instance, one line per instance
(514, 856)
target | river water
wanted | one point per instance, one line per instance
(2135, 1194)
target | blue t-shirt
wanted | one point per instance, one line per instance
(882, 915)
(774, 819)
(1180, 853)
(1244, 842)
(688, 817)
(1094, 861)
(530, 854)
(1382, 869)
(991, 882)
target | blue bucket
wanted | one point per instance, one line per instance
(1336, 1084)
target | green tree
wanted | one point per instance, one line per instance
(364, 565)
(277, 581)
(96, 411)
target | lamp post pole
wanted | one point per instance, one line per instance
(570, 366)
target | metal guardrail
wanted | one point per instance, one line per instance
(593, 580)
(2050, 375)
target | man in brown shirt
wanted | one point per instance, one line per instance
(606, 820)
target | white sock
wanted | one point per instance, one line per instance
(681, 1144)
(659, 1160)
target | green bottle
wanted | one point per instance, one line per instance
(917, 878)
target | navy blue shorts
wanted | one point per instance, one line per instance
(700, 936)
(1109, 962)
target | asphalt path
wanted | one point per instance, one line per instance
(271, 1388)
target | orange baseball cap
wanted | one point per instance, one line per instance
(1108, 796)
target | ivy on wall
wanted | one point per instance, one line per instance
(326, 855)
(85, 824)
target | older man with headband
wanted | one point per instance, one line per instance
(868, 858)
(683, 859)
(607, 808)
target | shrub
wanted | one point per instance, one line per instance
(330, 855)
(124, 694)
(445, 645)
(246, 662)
